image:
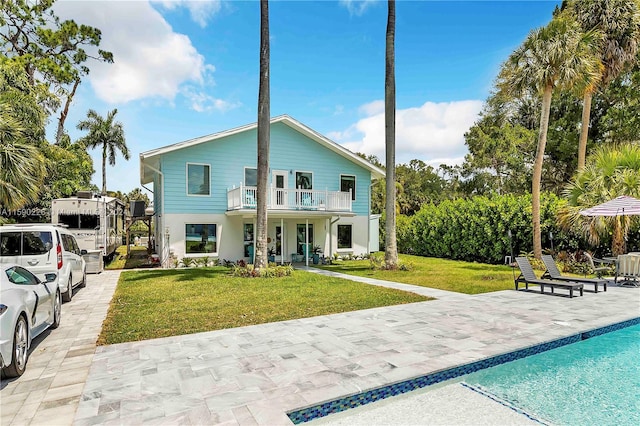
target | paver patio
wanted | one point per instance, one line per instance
(255, 374)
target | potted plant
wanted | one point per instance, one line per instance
(271, 254)
(316, 254)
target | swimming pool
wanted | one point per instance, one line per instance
(595, 381)
(607, 370)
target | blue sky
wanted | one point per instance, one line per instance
(188, 69)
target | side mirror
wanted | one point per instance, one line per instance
(50, 277)
(83, 252)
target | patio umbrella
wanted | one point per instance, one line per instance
(620, 206)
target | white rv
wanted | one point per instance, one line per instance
(96, 221)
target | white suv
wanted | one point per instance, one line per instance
(45, 249)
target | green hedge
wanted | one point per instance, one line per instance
(476, 229)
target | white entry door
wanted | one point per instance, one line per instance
(279, 183)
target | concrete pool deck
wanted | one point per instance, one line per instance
(255, 374)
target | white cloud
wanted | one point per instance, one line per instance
(433, 132)
(150, 59)
(357, 7)
(372, 108)
(200, 10)
(202, 102)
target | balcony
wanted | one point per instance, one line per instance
(245, 197)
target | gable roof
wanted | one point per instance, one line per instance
(147, 157)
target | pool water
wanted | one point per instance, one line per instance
(595, 381)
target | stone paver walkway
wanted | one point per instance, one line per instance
(49, 391)
(254, 375)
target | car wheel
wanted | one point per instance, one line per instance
(67, 295)
(83, 283)
(57, 310)
(20, 352)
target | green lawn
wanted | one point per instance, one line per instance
(452, 275)
(161, 303)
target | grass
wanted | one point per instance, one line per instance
(138, 258)
(161, 303)
(443, 274)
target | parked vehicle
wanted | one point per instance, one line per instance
(96, 221)
(28, 307)
(45, 249)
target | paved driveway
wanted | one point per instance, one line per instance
(49, 391)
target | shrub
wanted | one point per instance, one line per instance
(476, 229)
(272, 271)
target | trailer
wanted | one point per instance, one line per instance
(96, 221)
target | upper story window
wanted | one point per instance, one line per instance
(250, 176)
(198, 179)
(348, 183)
(304, 180)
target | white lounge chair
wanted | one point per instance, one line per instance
(628, 268)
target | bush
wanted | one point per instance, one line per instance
(476, 229)
(272, 271)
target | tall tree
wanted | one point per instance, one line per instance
(390, 245)
(105, 133)
(54, 53)
(556, 56)
(619, 23)
(264, 129)
(22, 166)
(611, 171)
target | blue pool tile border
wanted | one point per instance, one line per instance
(341, 404)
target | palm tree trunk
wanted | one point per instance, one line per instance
(584, 131)
(264, 117)
(104, 169)
(537, 172)
(390, 247)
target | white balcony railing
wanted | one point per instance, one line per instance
(244, 197)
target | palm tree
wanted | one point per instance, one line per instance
(264, 129)
(105, 133)
(556, 56)
(619, 22)
(610, 172)
(21, 165)
(390, 246)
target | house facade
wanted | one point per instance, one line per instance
(204, 195)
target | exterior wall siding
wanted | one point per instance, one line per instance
(227, 158)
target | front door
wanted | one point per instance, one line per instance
(279, 182)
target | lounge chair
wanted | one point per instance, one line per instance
(554, 273)
(527, 276)
(628, 268)
(597, 270)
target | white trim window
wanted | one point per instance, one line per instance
(250, 176)
(200, 238)
(345, 236)
(198, 179)
(348, 182)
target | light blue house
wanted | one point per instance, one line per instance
(205, 195)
